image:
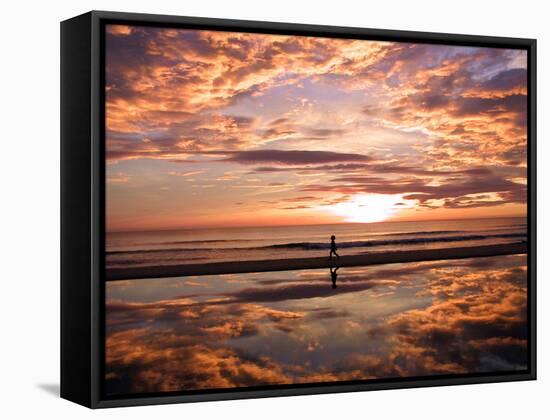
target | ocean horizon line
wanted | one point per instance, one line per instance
(176, 229)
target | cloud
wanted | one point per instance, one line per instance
(396, 118)
(186, 174)
(327, 313)
(477, 320)
(293, 157)
(507, 80)
(167, 76)
(326, 132)
(297, 291)
(150, 359)
(475, 106)
(467, 188)
(468, 317)
(158, 367)
(118, 178)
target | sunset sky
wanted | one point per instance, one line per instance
(219, 129)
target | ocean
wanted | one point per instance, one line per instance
(197, 246)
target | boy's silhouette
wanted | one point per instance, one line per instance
(333, 276)
(333, 248)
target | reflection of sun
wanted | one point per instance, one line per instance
(369, 208)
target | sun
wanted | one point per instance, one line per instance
(370, 208)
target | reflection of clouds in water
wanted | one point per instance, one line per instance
(145, 359)
(397, 320)
(477, 322)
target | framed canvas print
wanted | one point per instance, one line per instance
(256, 209)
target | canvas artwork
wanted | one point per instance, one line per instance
(288, 209)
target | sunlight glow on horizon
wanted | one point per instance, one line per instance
(370, 208)
(211, 129)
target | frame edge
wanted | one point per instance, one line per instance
(97, 17)
(76, 265)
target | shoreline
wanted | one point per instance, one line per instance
(374, 258)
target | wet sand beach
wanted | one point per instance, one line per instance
(365, 259)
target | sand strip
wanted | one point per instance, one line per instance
(311, 263)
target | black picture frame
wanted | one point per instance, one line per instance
(83, 204)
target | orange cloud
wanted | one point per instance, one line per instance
(212, 98)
